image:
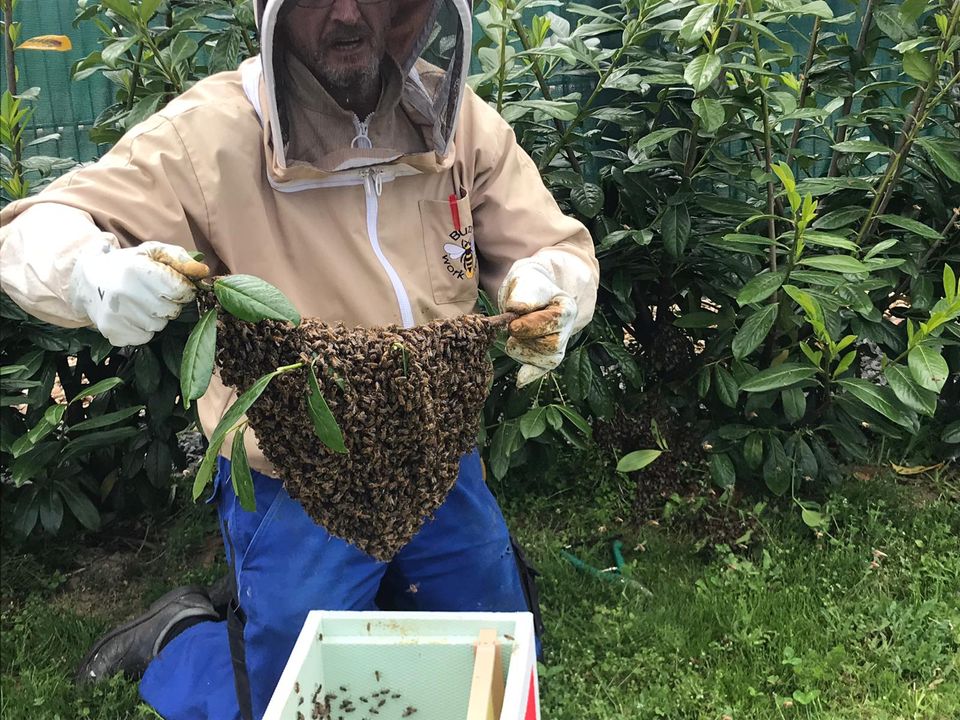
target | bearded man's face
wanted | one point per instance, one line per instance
(341, 41)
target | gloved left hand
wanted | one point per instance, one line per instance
(538, 338)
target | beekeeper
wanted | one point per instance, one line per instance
(339, 165)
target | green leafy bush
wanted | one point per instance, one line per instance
(772, 210)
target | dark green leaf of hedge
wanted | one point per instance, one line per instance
(587, 199)
(778, 377)
(697, 319)
(776, 467)
(626, 363)
(240, 474)
(229, 419)
(324, 423)
(252, 299)
(534, 422)
(96, 440)
(722, 470)
(702, 71)
(158, 463)
(637, 460)
(951, 433)
(928, 367)
(794, 404)
(877, 398)
(917, 228)
(839, 218)
(51, 511)
(760, 287)
(80, 505)
(25, 512)
(912, 395)
(576, 419)
(675, 228)
(33, 462)
(754, 331)
(943, 156)
(727, 389)
(106, 419)
(503, 445)
(753, 450)
(98, 388)
(146, 369)
(860, 146)
(196, 366)
(836, 263)
(578, 374)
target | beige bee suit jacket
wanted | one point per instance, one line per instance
(365, 246)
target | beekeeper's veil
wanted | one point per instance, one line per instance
(429, 40)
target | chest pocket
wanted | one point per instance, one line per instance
(451, 253)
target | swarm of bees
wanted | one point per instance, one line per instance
(408, 402)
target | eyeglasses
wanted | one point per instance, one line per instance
(324, 4)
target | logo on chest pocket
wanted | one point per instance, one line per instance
(459, 257)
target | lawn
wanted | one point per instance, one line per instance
(862, 622)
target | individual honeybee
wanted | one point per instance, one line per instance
(464, 253)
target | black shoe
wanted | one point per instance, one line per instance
(130, 647)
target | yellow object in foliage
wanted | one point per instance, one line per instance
(59, 43)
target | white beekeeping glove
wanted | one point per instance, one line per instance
(535, 289)
(130, 294)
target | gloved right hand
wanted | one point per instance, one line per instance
(130, 294)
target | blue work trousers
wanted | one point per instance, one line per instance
(286, 565)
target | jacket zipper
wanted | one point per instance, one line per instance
(372, 186)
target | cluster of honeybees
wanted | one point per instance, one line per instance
(408, 402)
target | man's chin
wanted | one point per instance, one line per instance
(349, 77)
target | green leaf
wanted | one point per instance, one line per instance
(97, 440)
(943, 156)
(324, 424)
(812, 519)
(917, 228)
(534, 422)
(911, 10)
(80, 505)
(97, 388)
(696, 23)
(51, 418)
(711, 114)
(106, 419)
(917, 66)
(252, 299)
(753, 450)
(878, 398)
(637, 460)
(910, 394)
(754, 331)
(505, 442)
(778, 377)
(702, 71)
(240, 475)
(951, 433)
(839, 218)
(814, 237)
(809, 304)
(565, 111)
(112, 53)
(576, 419)
(196, 366)
(722, 470)
(182, 48)
(578, 373)
(794, 404)
(697, 319)
(230, 418)
(675, 228)
(776, 467)
(51, 511)
(158, 462)
(655, 138)
(760, 287)
(928, 367)
(148, 8)
(587, 199)
(146, 369)
(860, 146)
(726, 385)
(836, 263)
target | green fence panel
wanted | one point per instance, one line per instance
(64, 106)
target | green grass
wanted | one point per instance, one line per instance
(799, 627)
